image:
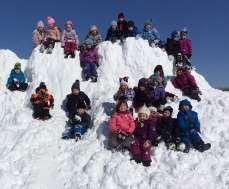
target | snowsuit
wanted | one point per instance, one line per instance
(129, 95)
(190, 127)
(141, 98)
(132, 33)
(143, 132)
(77, 127)
(150, 35)
(112, 35)
(96, 39)
(186, 47)
(122, 126)
(42, 101)
(169, 130)
(74, 100)
(158, 96)
(122, 28)
(52, 36)
(70, 42)
(16, 81)
(38, 37)
(187, 83)
(90, 58)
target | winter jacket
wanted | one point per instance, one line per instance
(172, 47)
(141, 98)
(185, 80)
(157, 93)
(123, 122)
(112, 35)
(74, 100)
(168, 129)
(186, 47)
(45, 100)
(146, 131)
(96, 39)
(188, 121)
(129, 95)
(132, 33)
(163, 81)
(122, 27)
(38, 37)
(19, 77)
(90, 56)
(150, 35)
(69, 37)
(53, 33)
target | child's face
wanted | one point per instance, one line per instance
(148, 27)
(17, 71)
(142, 88)
(121, 19)
(179, 72)
(185, 108)
(94, 32)
(114, 27)
(123, 107)
(75, 91)
(81, 111)
(123, 87)
(69, 27)
(131, 28)
(166, 113)
(142, 117)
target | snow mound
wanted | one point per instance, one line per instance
(32, 155)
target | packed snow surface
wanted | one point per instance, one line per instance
(33, 155)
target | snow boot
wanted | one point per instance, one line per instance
(49, 50)
(77, 137)
(66, 55)
(204, 147)
(42, 49)
(73, 55)
(187, 149)
(146, 163)
(94, 79)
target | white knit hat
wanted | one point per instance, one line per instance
(144, 110)
(152, 109)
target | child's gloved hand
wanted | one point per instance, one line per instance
(77, 118)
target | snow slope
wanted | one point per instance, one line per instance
(32, 155)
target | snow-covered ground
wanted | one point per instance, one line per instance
(33, 156)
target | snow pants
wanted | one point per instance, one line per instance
(74, 130)
(89, 70)
(20, 87)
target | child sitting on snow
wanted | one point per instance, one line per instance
(79, 124)
(69, 40)
(42, 101)
(39, 34)
(94, 36)
(150, 33)
(187, 83)
(122, 126)
(16, 80)
(145, 136)
(52, 36)
(190, 128)
(132, 30)
(90, 58)
(112, 33)
(75, 98)
(169, 130)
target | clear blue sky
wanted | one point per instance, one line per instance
(207, 22)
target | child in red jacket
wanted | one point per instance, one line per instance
(122, 126)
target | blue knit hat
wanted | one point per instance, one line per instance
(185, 103)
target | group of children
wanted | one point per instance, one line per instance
(154, 122)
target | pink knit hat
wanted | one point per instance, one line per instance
(51, 21)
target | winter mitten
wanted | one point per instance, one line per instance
(77, 118)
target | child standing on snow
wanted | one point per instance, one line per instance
(69, 40)
(150, 33)
(90, 58)
(187, 84)
(144, 137)
(112, 33)
(42, 101)
(79, 124)
(190, 128)
(122, 26)
(52, 36)
(16, 81)
(168, 129)
(122, 126)
(39, 34)
(94, 36)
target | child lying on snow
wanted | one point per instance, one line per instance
(145, 136)
(122, 126)
(190, 128)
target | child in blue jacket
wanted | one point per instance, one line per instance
(190, 128)
(16, 80)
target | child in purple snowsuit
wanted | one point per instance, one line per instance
(145, 136)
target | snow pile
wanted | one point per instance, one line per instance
(32, 155)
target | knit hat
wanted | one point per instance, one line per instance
(40, 24)
(130, 23)
(51, 21)
(17, 66)
(93, 27)
(143, 82)
(124, 80)
(144, 110)
(152, 109)
(148, 22)
(175, 34)
(69, 22)
(113, 23)
(185, 103)
(76, 85)
(168, 108)
(81, 105)
(121, 15)
(42, 85)
(88, 41)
